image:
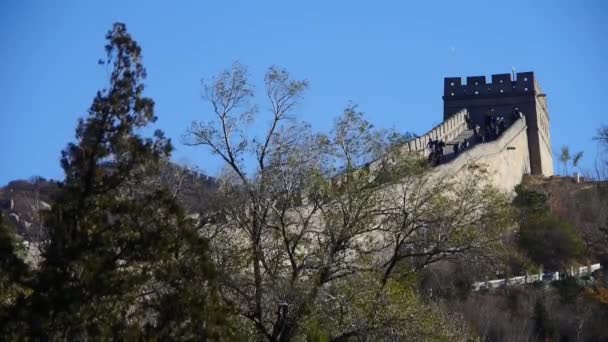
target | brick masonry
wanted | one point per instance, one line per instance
(501, 96)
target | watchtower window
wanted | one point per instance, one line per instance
(525, 79)
(476, 83)
(501, 91)
(525, 89)
(500, 81)
(476, 92)
(452, 94)
(452, 84)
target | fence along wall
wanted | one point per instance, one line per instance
(533, 278)
(446, 131)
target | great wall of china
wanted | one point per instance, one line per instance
(523, 148)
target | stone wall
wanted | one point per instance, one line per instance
(503, 95)
(446, 131)
(544, 135)
(501, 85)
(506, 158)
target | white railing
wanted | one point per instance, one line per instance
(533, 278)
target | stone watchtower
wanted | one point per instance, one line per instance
(501, 97)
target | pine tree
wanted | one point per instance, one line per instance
(122, 259)
(15, 277)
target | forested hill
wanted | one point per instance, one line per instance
(22, 200)
(579, 202)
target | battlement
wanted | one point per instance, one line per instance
(503, 95)
(448, 130)
(501, 85)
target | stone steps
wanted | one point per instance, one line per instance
(467, 134)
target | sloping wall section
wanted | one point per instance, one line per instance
(446, 131)
(506, 158)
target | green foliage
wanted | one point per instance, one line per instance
(518, 263)
(576, 159)
(565, 157)
(530, 202)
(361, 308)
(14, 269)
(14, 280)
(550, 242)
(568, 289)
(546, 240)
(308, 217)
(122, 260)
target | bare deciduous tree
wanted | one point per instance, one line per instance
(304, 214)
(601, 159)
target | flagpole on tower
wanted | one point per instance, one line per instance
(512, 73)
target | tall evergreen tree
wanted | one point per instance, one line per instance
(122, 259)
(14, 280)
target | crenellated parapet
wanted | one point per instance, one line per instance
(504, 95)
(500, 85)
(446, 131)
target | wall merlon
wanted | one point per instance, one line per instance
(500, 85)
(504, 95)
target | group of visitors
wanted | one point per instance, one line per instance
(461, 146)
(436, 148)
(494, 126)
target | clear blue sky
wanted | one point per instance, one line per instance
(389, 57)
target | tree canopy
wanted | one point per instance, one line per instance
(547, 240)
(121, 259)
(306, 217)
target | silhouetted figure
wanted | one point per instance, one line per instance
(477, 134)
(516, 114)
(502, 124)
(467, 119)
(456, 148)
(465, 144)
(489, 117)
(489, 133)
(441, 145)
(431, 144)
(433, 158)
(439, 148)
(436, 153)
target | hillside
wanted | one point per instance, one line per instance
(582, 204)
(22, 201)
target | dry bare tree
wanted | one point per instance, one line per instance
(303, 215)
